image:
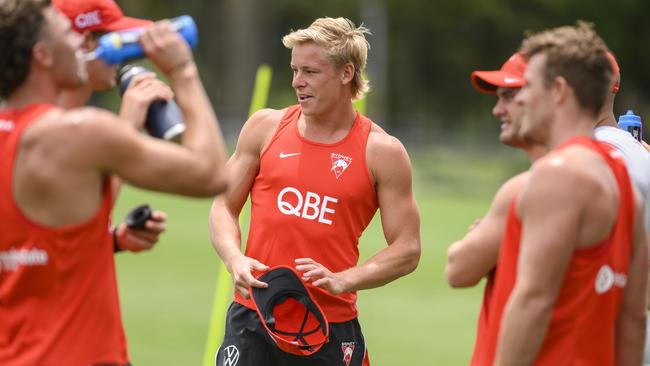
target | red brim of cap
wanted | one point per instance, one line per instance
(126, 23)
(489, 81)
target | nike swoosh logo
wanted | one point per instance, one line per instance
(510, 80)
(283, 155)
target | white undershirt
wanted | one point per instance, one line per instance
(636, 158)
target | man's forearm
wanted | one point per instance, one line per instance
(225, 232)
(523, 329)
(202, 125)
(630, 336)
(466, 264)
(384, 267)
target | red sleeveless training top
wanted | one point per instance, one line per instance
(583, 323)
(312, 200)
(478, 355)
(58, 293)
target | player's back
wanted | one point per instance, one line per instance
(591, 292)
(58, 303)
(589, 300)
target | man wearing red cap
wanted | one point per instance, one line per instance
(475, 256)
(58, 287)
(573, 261)
(92, 19)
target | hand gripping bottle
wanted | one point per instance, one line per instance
(164, 118)
(632, 124)
(119, 47)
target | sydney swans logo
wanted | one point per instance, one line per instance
(340, 163)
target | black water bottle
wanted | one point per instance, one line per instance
(164, 118)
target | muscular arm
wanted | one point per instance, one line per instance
(66, 156)
(631, 326)
(400, 221)
(242, 168)
(473, 257)
(143, 90)
(555, 198)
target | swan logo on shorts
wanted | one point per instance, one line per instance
(340, 163)
(348, 349)
(230, 356)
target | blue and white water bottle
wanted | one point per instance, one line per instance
(119, 47)
(632, 124)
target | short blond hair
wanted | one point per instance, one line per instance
(577, 54)
(343, 42)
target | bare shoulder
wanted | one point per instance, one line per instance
(575, 174)
(509, 190)
(572, 163)
(386, 156)
(259, 128)
(72, 128)
(383, 146)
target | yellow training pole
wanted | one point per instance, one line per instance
(223, 291)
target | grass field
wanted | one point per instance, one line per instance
(167, 293)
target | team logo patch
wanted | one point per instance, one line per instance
(608, 278)
(230, 356)
(348, 349)
(340, 163)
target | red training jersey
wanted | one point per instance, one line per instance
(312, 200)
(58, 293)
(583, 323)
(478, 355)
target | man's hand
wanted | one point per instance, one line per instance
(165, 48)
(242, 270)
(143, 90)
(320, 276)
(139, 240)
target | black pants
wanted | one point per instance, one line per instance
(246, 343)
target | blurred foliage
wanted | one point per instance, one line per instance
(419, 66)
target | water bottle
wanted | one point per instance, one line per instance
(164, 118)
(119, 47)
(137, 218)
(632, 124)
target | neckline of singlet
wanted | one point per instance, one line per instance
(355, 126)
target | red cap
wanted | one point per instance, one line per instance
(97, 15)
(617, 72)
(511, 75)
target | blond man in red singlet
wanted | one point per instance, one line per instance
(316, 172)
(57, 276)
(570, 282)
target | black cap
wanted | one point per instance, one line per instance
(289, 313)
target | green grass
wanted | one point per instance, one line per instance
(167, 293)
